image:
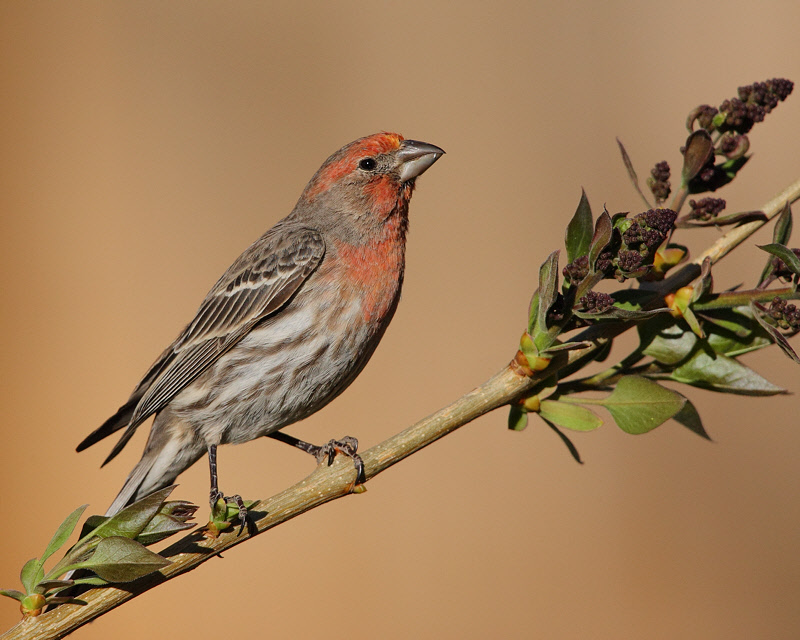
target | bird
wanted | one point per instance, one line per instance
(286, 328)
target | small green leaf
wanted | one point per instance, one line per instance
(690, 418)
(63, 533)
(601, 237)
(567, 346)
(548, 289)
(517, 418)
(92, 581)
(12, 593)
(699, 150)
(578, 237)
(782, 232)
(733, 332)
(130, 522)
(665, 340)
(639, 405)
(721, 373)
(775, 334)
(618, 313)
(51, 585)
(693, 322)
(120, 559)
(784, 253)
(161, 527)
(533, 312)
(569, 416)
(705, 283)
(572, 449)
(31, 574)
(723, 221)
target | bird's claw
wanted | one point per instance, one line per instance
(347, 446)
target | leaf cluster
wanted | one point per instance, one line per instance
(688, 334)
(113, 549)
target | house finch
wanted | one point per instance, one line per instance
(288, 326)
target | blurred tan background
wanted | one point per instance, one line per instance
(145, 144)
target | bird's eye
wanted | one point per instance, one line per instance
(368, 164)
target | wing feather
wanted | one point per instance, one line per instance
(257, 285)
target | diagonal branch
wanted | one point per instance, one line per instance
(329, 483)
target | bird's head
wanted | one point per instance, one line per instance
(370, 178)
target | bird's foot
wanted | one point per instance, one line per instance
(347, 446)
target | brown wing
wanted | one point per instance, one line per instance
(258, 284)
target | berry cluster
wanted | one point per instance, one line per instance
(755, 101)
(634, 243)
(785, 315)
(659, 181)
(594, 302)
(705, 209)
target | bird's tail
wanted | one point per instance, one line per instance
(163, 459)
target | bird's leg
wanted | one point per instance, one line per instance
(215, 495)
(346, 446)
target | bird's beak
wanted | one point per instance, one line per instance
(415, 157)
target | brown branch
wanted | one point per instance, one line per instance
(336, 481)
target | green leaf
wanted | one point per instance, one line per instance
(733, 332)
(639, 405)
(533, 311)
(665, 340)
(517, 418)
(63, 533)
(721, 373)
(567, 346)
(578, 237)
(12, 593)
(130, 522)
(50, 585)
(93, 581)
(572, 449)
(31, 574)
(160, 527)
(722, 221)
(699, 150)
(120, 559)
(548, 289)
(782, 232)
(569, 416)
(705, 283)
(738, 320)
(548, 293)
(775, 334)
(618, 313)
(784, 253)
(690, 418)
(601, 237)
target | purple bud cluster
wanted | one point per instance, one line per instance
(594, 302)
(659, 181)
(705, 209)
(785, 315)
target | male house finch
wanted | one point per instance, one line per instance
(288, 326)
